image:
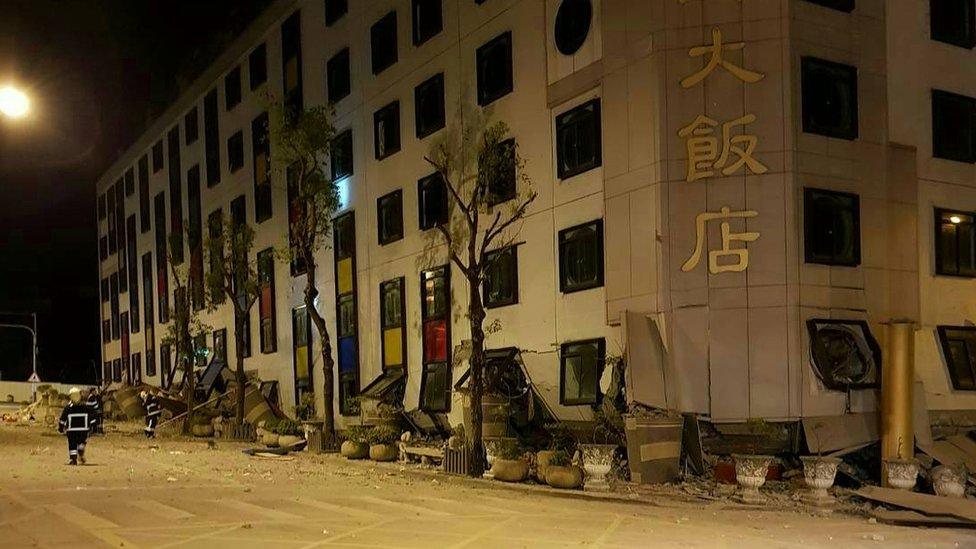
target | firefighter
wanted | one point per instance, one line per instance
(76, 423)
(95, 403)
(153, 411)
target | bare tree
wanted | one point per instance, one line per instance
(488, 194)
(233, 276)
(301, 140)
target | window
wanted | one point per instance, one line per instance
(840, 5)
(389, 217)
(148, 312)
(386, 130)
(232, 88)
(435, 388)
(581, 257)
(200, 350)
(301, 330)
(341, 155)
(144, 211)
(113, 228)
(494, 61)
(959, 351)
(347, 316)
(261, 158)
(133, 272)
(394, 343)
(829, 99)
(383, 42)
(150, 365)
(344, 247)
(191, 126)
(845, 354)
(238, 216)
(104, 290)
(117, 370)
(499, 166)
(235, 152)
(500, 286)
(130, 182)
(580, 365)
(579, 145)
(175, 193)
(215, 230)
(157, 156)
(572, 25)
(220, 344)
(953, 126)
(831, 228)
(257, 66)
(194, 232)
(135, 373)
(432, 201)
(103, 248)
(266, 301)
(334, 10)
(953, 22)
(211, 137)
(955, 243)
(102, 207)
(427, 21)
(338, 77)
(428, 104)
(165, 366)
(106, 331)
(291, 61)
(162, 276)
(435, 333)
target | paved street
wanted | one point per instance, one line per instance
(183, 494)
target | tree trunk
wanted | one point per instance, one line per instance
(239, 356)
(189, 379)
(328, 365)
(476, 310)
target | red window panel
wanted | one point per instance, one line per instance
(435, 341)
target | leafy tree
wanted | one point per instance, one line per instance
(488, 194)
(301, 140)
(233, 276)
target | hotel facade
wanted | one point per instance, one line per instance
(734, 196)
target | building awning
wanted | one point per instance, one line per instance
(385, 384)
(500, 357)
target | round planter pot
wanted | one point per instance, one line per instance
(269, 439)
(493, 446)
(510, 470)
(819, 473)
(382, 452)
(542, 459)
(949, 481)
(287, 441)
(564, 476)
(354, 450)
(750, 473)
(203, 430)
(901, 473)
(597, 462)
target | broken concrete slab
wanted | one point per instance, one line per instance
(825, 434)
(924, 503)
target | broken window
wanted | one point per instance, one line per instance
(435, 388)
(580, 365)
(845, 354)
(435, 313)
(959, 350)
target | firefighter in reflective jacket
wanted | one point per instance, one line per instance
(153, 411)
(95, 403)
(76, 422)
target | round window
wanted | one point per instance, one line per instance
(572, 25)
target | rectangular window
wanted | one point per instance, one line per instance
(191, 126)
(580, 365)
(829, 98)
(200, 350)
(579, 146)
(428, 104)
(955, 243)
(959, 350)
(257, 66)
(162, 276)
(165, 366)
(113, 228)
(130, 182)
(344, 249)
(334, 10)
(840, 5)
(144, 211)
(211, 137)
(500, 169)
(427, 20)
(238, 216)
(953, 126)
(124, 344)
(383, 42)
(392, 314)
(261, 151)
(432, 201)
(120, 231)
(133, 272)
(113, 282)
(435, 335)
(953, 22)
(220, 345)
(215, 229)
(150, 365)
(581, 257)
(831, 227)
(435, 388)
(232, 88)
(103, 290)
(117, 370)
(103, 248)
(296, 214)
(494, 61)
(235, 152)
(389, 217)
(266, 301)
(386, 130)
(194, 232)
(291, 61)
(102, 207)
(341, 155)
(157, 156)
(500, 286)
(301, 330)
(175, 194)
(106, 331)
(148, 313)
(338, 76)
(135, 373)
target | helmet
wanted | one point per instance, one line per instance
(143, 395)
(74, 394)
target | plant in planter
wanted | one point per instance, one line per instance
(819, 473)
(509, 464)
(900, 472)
(290, 432)
(382, 443)
(560, 439)
(269, 432)
(356, 445)
(561, 473)
(950, 480)
(751, 469)
(312, 426)
(599, 457)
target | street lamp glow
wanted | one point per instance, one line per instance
(13, 102)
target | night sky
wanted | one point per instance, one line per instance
(97, 73)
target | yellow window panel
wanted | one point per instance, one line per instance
(301, 359)
(261, 168)
(393, 347)
(345, 276)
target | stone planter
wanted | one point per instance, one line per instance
(269, 439)
(287, 441)
(597, 462)
(901, 473)
(819, 473)
(492, 447)
(949, 481)
(382, 452)
(542, 459)
(206, 430)
(351, 449)
(567, 477)
(750, 473)
(510, 470)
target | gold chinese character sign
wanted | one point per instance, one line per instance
(704, 155)
(740, 255)
(717, 59)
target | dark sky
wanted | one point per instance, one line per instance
(97, 72)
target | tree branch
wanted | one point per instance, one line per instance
(519, 213)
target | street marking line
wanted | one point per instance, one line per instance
(335, 508)
(272, 514)
(610, 529)
(352, 532)
(91, 524)
(470, 506)
(200, 536)
(405, 506)
(162, 510)
(484, 533)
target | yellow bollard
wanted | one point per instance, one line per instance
(897, 384)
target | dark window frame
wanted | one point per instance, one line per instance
(157, 156)
(945, 344)
(338, 74)
(334, 10)
(846, 6)
(945, 147)
(235, 151)
(501, 86)
(426, 120)
(401, 286)
(600, 363)
(811, 225)
(443, 271)
(308, 385)
(564, 286)
(814, 68)
(572, 25)
(424, 22)
(428, 221)
(385, 234)
(266, 276)
(257, 67)
(941, 13)
(490, 271)
(342, 145)
(383, 55)
(232, 88)
(940, 214)
(191, 126)
(389, 116)
(576, 120)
